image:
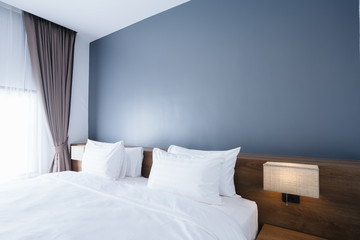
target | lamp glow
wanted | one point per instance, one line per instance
(292, 178)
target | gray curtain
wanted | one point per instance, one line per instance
(52, 52)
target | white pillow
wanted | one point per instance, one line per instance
(134, 158)
(191, 177)
(104, 159)
(227, 187)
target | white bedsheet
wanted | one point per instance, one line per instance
(242, 210)
(71, 205)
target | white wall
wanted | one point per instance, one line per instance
(78, 126)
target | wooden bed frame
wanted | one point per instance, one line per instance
(335, 215)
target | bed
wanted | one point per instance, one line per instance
(333, 216)
(75, 205)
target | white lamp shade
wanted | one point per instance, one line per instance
(292, 178)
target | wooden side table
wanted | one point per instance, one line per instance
(269, 232)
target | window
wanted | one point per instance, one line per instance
(23, 140)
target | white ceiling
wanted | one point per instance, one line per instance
(93, 19)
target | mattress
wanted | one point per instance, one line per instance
(70, 205)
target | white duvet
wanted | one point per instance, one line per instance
(71, 205)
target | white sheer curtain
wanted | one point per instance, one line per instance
(24, 146)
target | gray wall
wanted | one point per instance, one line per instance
(275, 77)
(78, 125)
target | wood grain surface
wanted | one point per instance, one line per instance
(269, 232)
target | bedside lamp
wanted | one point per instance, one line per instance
(292, 179)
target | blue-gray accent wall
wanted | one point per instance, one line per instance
(275, 77)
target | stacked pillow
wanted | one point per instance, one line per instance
(227, 187)
(194, 177)
(112, 160)
(200, 175)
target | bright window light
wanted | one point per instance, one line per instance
(17, 130)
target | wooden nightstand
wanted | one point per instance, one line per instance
(76, 153)
(269, 232)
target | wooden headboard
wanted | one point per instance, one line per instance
(335, 215)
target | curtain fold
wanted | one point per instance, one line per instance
(51, 50)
